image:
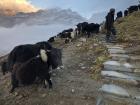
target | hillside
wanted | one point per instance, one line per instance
(128, 32)
(81, 79)
(128, 29)
(95, 72)
(76, 84)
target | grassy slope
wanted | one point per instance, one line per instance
(128, 29)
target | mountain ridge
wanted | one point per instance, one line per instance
(42, 17)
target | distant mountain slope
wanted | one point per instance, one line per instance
(43, 17)
(98, 17)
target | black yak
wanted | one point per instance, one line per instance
(125, 12)
(51, 39)
(119, 14)
(92, 28)
(88, 28)
(26, 73)
(22, 53)
(67, 40)
(81, 27)
(133, 8)
(68, 30)
(139, 6)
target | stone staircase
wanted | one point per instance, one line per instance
(121, 78)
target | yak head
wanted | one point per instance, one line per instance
(55, 56)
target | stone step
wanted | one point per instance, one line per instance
(135, 58)
(110, 45)
(119, 57)
(109, 99)
(117, 66)
(131, 83)
(100, 101)
(115, 47)
(137, 71)
(116, 51)
(120, 77)
(137, 67)
(136, 75)
(114, 90)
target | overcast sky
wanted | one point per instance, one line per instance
(85, 7)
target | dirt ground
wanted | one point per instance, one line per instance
(73, 85)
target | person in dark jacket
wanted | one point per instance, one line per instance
(109, 25)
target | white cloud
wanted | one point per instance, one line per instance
(10, 7)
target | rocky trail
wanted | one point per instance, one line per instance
(73, 85)
(121, 76)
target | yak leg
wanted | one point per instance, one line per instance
(14, 83)
(48, 78)
(44, 84)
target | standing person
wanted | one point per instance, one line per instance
(109, 25)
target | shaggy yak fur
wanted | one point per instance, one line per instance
(23, 53)
(27, 72)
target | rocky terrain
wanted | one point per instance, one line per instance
(95, 73)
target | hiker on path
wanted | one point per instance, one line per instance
(109, 26)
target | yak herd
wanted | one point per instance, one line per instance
(84, 29)
(88, 29)
(31, 61)
(129, 10)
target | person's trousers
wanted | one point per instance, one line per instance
(111, 34)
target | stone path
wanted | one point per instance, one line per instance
(121, 77)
